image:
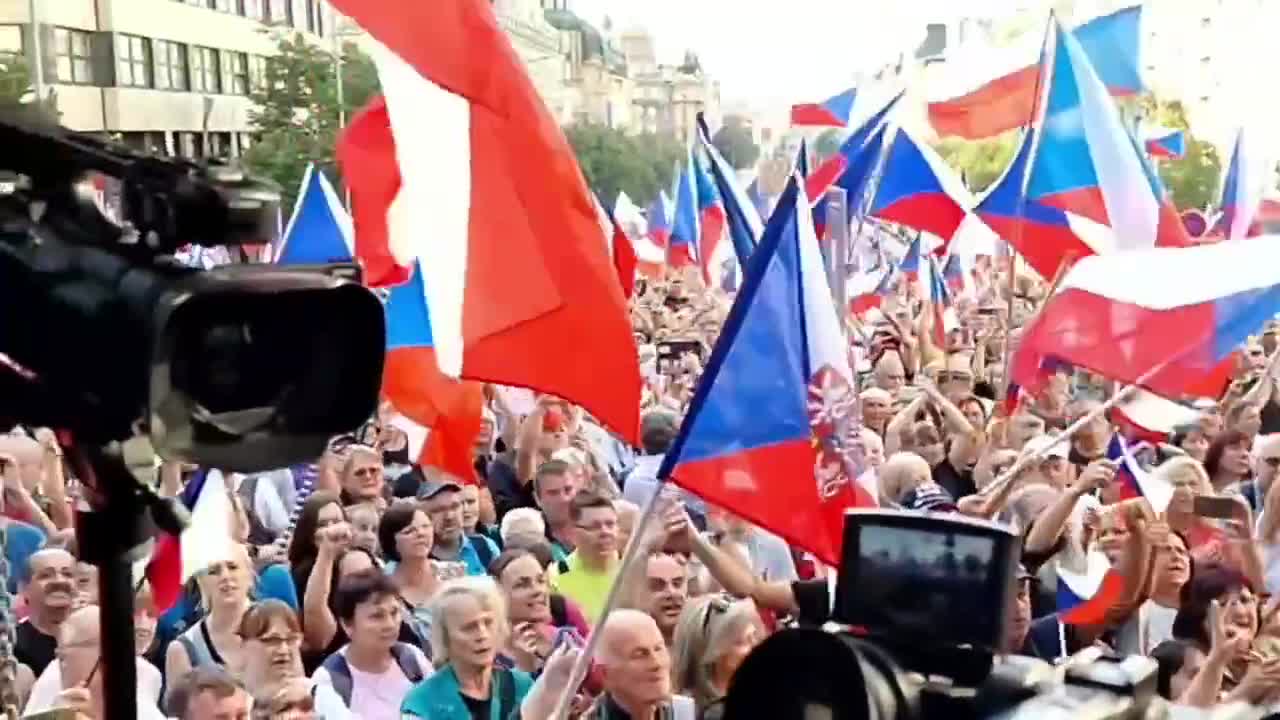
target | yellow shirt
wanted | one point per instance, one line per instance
(588, 588)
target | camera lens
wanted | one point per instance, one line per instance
(805, 674)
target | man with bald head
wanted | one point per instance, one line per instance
(636, 670)
(889, 373)
(49, 588)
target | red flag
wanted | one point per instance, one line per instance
(624, 258)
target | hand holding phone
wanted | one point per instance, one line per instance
(1218, 507)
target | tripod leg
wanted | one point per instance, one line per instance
(119, 667)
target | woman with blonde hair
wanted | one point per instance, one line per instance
(468, 629)
(225, 589)
(1231, 542)
(714, 634)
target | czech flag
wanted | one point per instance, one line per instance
(1242, 188)
(714, 254)
(791, 471)
(1166, 143)
(868, 290)
(1084, 598)
(1146, 416)
(1089, 189)
(944, 314)
(650, 257)
(658, 218)
(207, 540)
(462, 167)
(916, 189)
(1201, 303)
(1005, 93)
(319, 230)
(742, 218)
(832, 112)
(1136, 481)
(686, 229)
(956, 274)
(913, 262)
(852, 166)
(413, 383)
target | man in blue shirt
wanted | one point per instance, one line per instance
(442, 500)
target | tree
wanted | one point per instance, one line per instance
(296, 117)
(613, 161)
(980, 162)
(736, 145)
(1193, 179)
(17, 95)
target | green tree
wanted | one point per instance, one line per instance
(736, 145)
(296, 119)
(1193, 179)
(980, 162)
(613, 161)
(17, 95)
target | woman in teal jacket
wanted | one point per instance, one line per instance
(468, 628)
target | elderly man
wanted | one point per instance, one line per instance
(636, 671)
(50, 593)
(79, 650)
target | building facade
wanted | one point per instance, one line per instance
(172, 76)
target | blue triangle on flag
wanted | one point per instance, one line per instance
(319, 231)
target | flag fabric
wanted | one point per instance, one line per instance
(493, 202)
(1242, 188)
(792, 471)
(714, 254)
(625, 261)
(1134, 480)
(957, 274)
(853, 165)
(658, 219)
(940, 305)
(742, 217)
(415, 386)
(1146, 416)
(650, 256)
(686, 228)
(1206, 301)
(1085, 597)
(913, 261)
(206, 540)
(1165, 143)
(1089, 189)
(832, 112)
(868, 290)
(757, 198)
(1007, 94)
(319, 230)
(918, 190)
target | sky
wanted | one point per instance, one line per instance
(777, 53)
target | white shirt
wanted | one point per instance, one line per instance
(375, 696)
(44, 693)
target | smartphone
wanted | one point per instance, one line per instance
(1216, 506)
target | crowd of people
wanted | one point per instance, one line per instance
(395, 590)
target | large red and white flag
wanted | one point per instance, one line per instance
(460, 168)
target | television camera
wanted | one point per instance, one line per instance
(107, 338)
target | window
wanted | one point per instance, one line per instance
(170, 65)
(133, 61)
(72, 51)
(280, 12)
(311, 15)
(235, 73)
(257, 73)
(225, 6)
(254, 9)
(204, 69)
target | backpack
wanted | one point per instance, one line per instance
(340, 671)
(484, 550)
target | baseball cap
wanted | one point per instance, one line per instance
(431, 488)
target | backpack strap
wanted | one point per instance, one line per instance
(484, 551)
(408, 662)
(339, 676)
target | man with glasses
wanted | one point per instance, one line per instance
(586, 575)
(442, 501)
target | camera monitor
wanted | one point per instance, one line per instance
(946, 580)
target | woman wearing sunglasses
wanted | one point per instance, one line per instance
(714, 635)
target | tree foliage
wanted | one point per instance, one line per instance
(736, 145)
(296, 119)
(17, 94)
(980, 162)
(1192, 180)
(614, 161)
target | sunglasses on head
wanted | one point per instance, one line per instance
(716, 605)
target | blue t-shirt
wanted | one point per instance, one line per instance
(21, 542)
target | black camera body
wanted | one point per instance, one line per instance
(920, 610)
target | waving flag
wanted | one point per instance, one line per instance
(492, 202)
(781, 347)
(944, 314)
(413, 383)
(868, 290)
(714, 254)
(1206, 300)
(916, 190)
(686, 230)
(319, 230)
(1007, 91)
(742, 218)
(957, 274)
(650, 256)
(1146, 416)
(1084, 598)
(658, 217)
(832, 112)
(1165, 143)
(207, 540)
(1242, 189)
(757, 198)
(911, 264)
(853, 165)
(1134, 480)
(1088, 187)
